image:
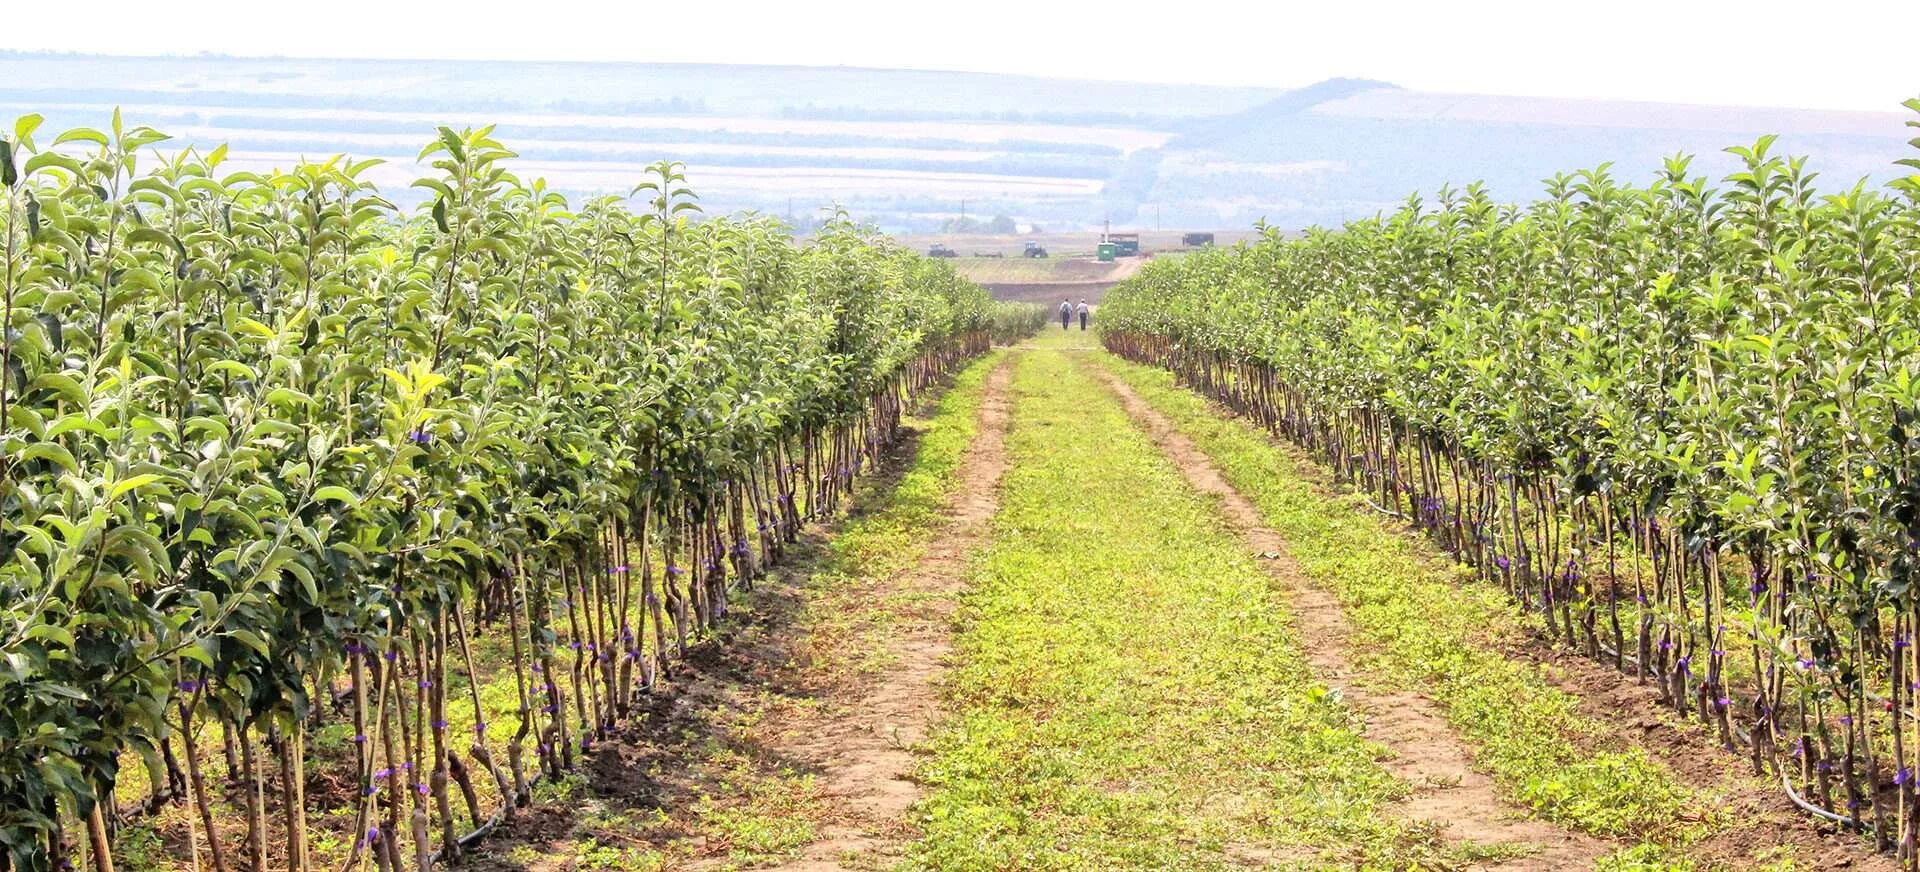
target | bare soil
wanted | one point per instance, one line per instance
(864, 751)
(1447, 791)
(1765, 821)
(763, 667)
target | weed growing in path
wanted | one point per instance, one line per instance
(1430, 630)
(1128, 693)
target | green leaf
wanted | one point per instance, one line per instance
(81, 134)
(198, 655)
(51, 451)
(24, 127)
(338, 493)
(51, 633)
(250, 639)
(130, 483)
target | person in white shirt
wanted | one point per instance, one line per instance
(1066, 313)
(1083, 310)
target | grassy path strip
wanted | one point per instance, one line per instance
(709, 777)
(863, 750)
(1422, 625)
(1129, 693)
(1427, 752)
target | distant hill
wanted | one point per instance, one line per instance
(911, 149)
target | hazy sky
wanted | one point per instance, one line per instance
(1839, 54)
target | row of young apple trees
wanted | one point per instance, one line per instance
(272, 452)
(1680, 422)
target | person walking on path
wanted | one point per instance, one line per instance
(1083, 310)
(1066, 313)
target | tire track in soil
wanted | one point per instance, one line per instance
(1763, 818)
(863, 753)
(1447, 790)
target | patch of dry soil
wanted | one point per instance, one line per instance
(862, 752)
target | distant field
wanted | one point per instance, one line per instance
(988, 270)
(1070, 270)
(1058, 244)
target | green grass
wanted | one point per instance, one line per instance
(1129, 695)
(1427, 626)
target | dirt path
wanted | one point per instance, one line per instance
(863, 751)
(1764, 821)
(1447, 790)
